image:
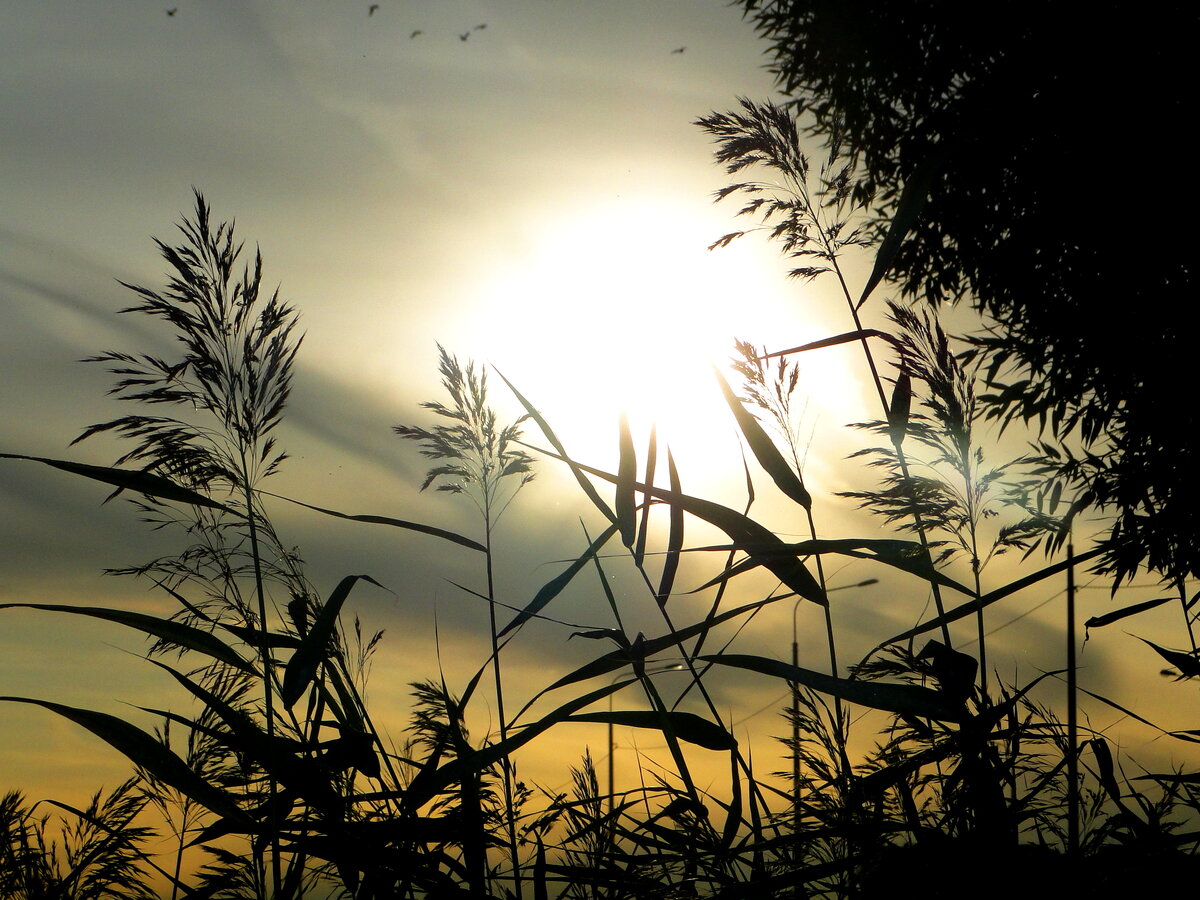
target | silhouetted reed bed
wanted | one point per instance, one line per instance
(274, 765)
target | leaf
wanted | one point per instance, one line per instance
(639, 551)
(126, 479)
(175, 633)
(908, 208)
(384, 520)
(750, 537)
(623, 656)
(302, 667)
(899, 408)
(1187, 663)
(1124, 612)
(145, 751)
(903, 699)
(428, 783)
(537, 417)
(860, 334)
(687, 726)
(555, 586)
(764, 449)
(626, 503)
(991, 597)
(674, 538)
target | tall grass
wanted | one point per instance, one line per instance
(283, 777)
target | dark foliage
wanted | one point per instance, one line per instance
(1047, 135)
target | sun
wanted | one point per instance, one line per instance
(623, 310)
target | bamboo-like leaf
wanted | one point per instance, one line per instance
(899, 408)
(844, 338)
(907, 556)
(302, 667)
(904, 699)
(126, 479)
(145, 751)
(384, 520)
(908, 208)
(176, 633)
(764, 449)
(1187, 663)
(687, 726)
(556, 585)
(674, 538)
(969, 608)
(1124, 612)
(626, 503)
(639, 550)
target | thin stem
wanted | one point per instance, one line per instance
(268, 669)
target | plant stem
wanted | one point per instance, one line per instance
(506, 767)
(268, 669)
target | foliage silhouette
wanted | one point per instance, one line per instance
(1029, 213)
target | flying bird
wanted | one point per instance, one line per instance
(172, 10)
(371, 9)
(464, 35)
(480, 27)
(415, 33)
(679, 49)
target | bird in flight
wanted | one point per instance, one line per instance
(371, 9)
(172, 10)
(415, 33)
(464, 35)
(679, 49)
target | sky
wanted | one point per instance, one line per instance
(521, 181)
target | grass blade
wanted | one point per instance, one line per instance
(126, 479)
(687, 726)
(555, 586)
(302, 667)
(966, 609)
(175, 633)
(145, 751)
(674, 538)
(584, 484)
(1124, 612)
(384, 520)
(764, 449)
(626, 502)
(903, 699)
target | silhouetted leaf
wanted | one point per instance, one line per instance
(126, 479)
(384, 520)
(144, 750)
(908, 208)
(555, 586)
(1124, 612)
(1187, 663)
(175, 633)
(687, 726)
(626, 503)
(764, 449)
(314, 646)
(674, 538)
(750, 537)
(987, 599)
(903, 699)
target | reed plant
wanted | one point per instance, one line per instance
(275, 767)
